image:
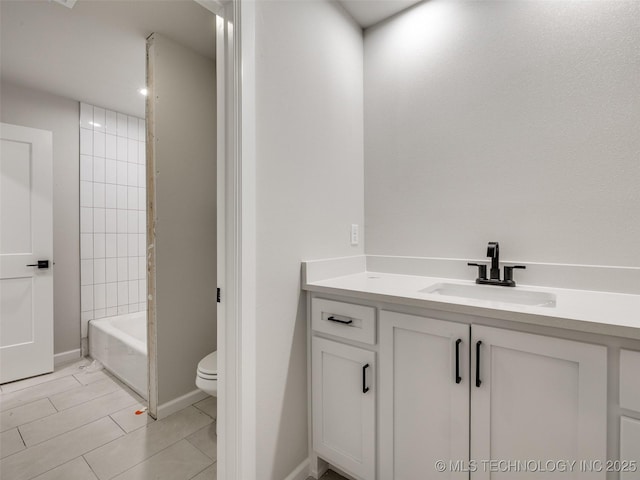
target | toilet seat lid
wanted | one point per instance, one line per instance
(209, 364)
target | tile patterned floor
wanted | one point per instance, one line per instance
(74, 424)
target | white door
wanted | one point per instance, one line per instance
(343, 390)
(424, 398)
(26, 237)
(537, 399)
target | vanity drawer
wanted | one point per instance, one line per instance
(346, 320)
(629, 385)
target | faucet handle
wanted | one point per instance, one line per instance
(482, 269)
(508, 272)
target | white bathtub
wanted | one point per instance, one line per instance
(120, 344)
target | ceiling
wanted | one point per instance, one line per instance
(370, 12)
(95, 52)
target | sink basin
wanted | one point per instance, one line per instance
(489, 293)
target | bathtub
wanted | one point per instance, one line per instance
(120, 344)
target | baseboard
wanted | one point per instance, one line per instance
(66, 357)
(301, 472)
(179, 403)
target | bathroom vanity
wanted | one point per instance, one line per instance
(417, 377)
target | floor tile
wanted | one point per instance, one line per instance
(30, 394)
(129, 421)
(72, 418)
(119, 456)
(206, 441)
(76, 469)
(209, 406)
(83, 393)
(86, 377)
(209, 473)
(25, 414)
(59, 372)
(59, 450)
(10, 443)
(180, 461)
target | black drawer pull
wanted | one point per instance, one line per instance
(337, 320)
(458, 377)
(365, 389)
(478, 381)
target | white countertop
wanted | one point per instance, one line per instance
(588, 311)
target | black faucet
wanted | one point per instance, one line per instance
(493, 252)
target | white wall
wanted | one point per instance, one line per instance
(37, 109)
(183, 124)
(113, 219)
(309, 180)
(509, 121)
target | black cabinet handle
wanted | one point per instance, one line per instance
(40, 264)
(337, 320)
(365, 389)
(458, 377)
(478, 381)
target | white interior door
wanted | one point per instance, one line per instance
(26, 237)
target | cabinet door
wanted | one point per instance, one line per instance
(424, 403)
(538, 399)
(343, 404)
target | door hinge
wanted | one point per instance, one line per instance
(218, 295)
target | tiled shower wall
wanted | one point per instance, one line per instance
(112, 214)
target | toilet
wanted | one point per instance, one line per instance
(207, 374)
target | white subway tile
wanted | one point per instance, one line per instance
(123, 274)
(142, 307)
(132, 244)
(142, 153)
(142, 267)
(132, 222)
(85, 317)
(142, 289)
(123, 216)
(142, 244)
(110, 196)
(99, 296)
(111, 266)
(99, 144)
(132, 151)
(99, 245)
(86, 272)
(100, 312)
(121, 146)
(86, 220)
(133, 292)
(86, 194)
(98, 170)
(122, 125)
(132, 175)
(99, 271)
(112, 122)
(123, 309)
(142, 133)
(122, 197)
(86, 168)
(142, 198)
(98, 195)
(112, 295)
(111, 245)
(86, 245)
(122, 173)
(132, 128)
(110, 220)
(111, 147)
(142, 172)
(133, 269)
(98, 220)
(111, 311)
(86, 116)
(86, 142)
(99, 119)
(133, 308)
(123, 293)
(110, 171)
(122, 244)
(86, 298)
(132, 196)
